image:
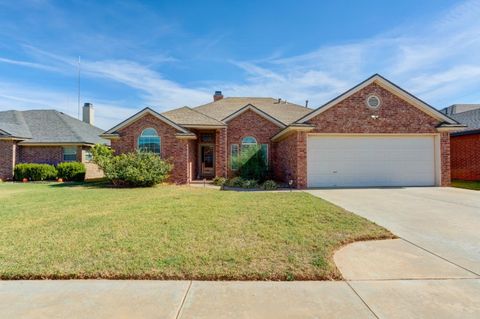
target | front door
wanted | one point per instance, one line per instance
(207, 161)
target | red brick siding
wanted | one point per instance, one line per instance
(465, 157)
(290, 159)
(250, 123)
(8, 150)
(445, 167)
(192, 163)
(172, 148)
(41, 154)
(221, 152)
(395, 116)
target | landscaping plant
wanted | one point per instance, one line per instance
(219, 181)
(35, 172)
(71, 171)
(269, 185)
(140, 169)
(253, 164)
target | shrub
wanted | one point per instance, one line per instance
(139, 169)
(235, 182)
(35, 172)
(71, 171)
(250, 183)
(102, 155)
(252, 164)
(219, 181)
(269, 185)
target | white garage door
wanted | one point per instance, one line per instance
(356, 161)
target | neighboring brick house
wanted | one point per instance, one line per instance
(375, 134)
(47, 136)
(465, 145)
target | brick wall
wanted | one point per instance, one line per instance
(250, 123)
(465, 157)
(172, 148)
(41, 154)
(394, 115)
(8, 156)
(221, 164)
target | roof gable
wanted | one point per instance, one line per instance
(250, 107)
(389, 86)
(188, 117)
(282, 111)
(142, 113)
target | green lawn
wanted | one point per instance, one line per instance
(473, 185)
(171, 232)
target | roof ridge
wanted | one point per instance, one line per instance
(204, 114)
(19, 115)
(73, 129)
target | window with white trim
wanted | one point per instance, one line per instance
(149, 141)
(234, 156)
(70, 154)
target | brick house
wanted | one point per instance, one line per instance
(47, 136)
(465, 145)
(375, 134)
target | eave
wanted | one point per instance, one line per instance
(291, 129)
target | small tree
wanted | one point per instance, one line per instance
(253, 164)
(102, 155)
(138, 169)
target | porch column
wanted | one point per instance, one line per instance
(221, 152)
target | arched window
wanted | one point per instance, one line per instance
(149, 141)
(249, 141)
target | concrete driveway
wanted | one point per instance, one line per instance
(443, 221)
(432, 270)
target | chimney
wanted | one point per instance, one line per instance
(88, 113)
(217, 96)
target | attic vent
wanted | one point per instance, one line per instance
(373, 102)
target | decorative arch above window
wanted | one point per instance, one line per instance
(149, 141)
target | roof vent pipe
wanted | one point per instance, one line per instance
(306, 103)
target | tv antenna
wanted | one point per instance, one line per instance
(78, 88)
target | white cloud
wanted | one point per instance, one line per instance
(436, 59)
(23, 97)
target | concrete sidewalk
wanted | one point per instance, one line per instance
(185, 299)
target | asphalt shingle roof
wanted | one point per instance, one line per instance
(48, 126)
(285, 112)
(469, 118)
(188, 116)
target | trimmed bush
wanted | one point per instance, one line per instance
(35, 172)
(219, 181)
(269, 185)
(139, 169)
(235, 182)
(250, 183)
(71, 171)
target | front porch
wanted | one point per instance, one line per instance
(208, 154)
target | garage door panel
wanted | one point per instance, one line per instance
(370, 161)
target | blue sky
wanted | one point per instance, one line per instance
(167, 54)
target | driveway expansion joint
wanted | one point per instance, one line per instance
(436, 255)
(179, 311)
(362, 300)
